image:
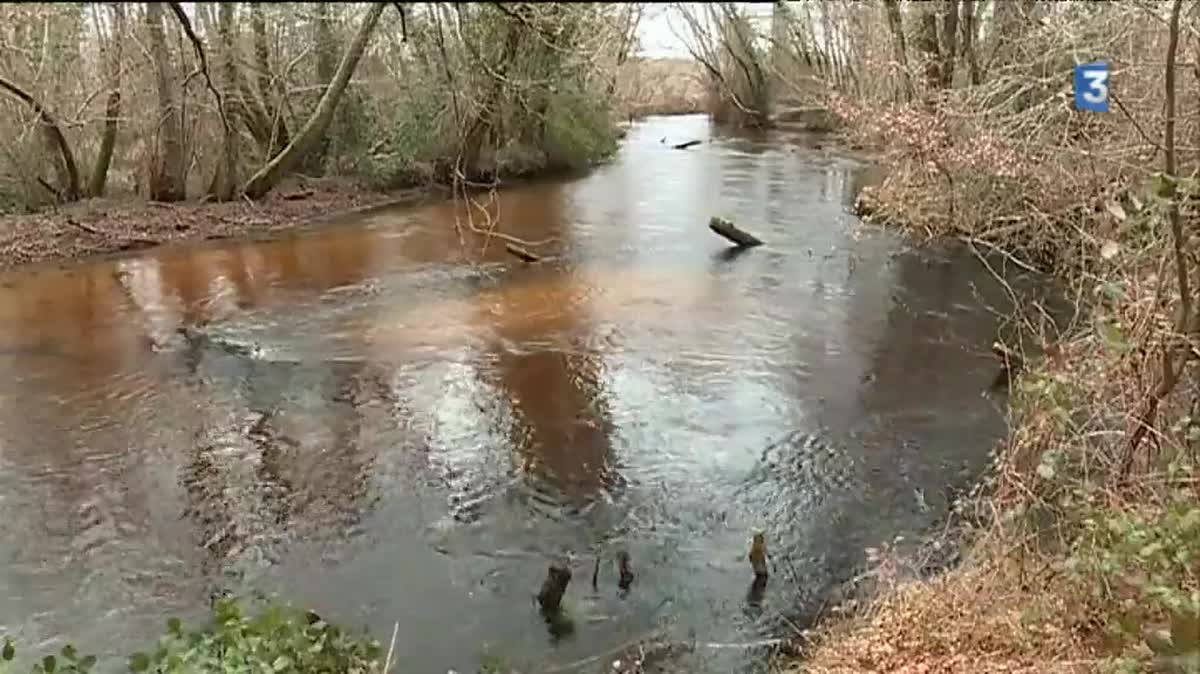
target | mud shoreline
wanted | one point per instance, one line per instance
(98, 229)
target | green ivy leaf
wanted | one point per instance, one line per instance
(49, 663)
(87, 662)
(69, 653)
(9, 651)
(281, 663)
(174, 626)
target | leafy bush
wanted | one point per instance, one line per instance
(1142, 565)
(277, 639)
(578, 130)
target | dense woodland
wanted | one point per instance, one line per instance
(1080, 546)
(223, 99)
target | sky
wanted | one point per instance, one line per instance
(661, 26)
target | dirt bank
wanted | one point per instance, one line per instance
(99, 228)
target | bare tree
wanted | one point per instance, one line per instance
(65, 167)
(266, 178)
(112, 107)
(227, 171)
(949, 43)
(167, 165)
(970, 28)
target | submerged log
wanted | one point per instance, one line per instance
(758, 555)
(684, 146)
(558, 576)
(626, 573)
(728, 230)
(522, 254)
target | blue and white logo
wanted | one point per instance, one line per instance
(1091, 86)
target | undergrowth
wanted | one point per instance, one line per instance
(1089, 557)
(277, 638)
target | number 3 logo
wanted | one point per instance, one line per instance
(1097, 86)
(1091, 86)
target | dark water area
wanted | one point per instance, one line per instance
(389, 426)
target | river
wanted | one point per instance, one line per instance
(391, 427)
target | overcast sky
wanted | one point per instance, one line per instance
(661, 26)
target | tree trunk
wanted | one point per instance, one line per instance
(949, 35)
(896, 25)
(112, 108)
(970, 29)
(927, 43)
(227, 182)
(167, 180)
(326, 65)
(277, 132)
(68, 172)
(269, 176)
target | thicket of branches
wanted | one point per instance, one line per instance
(227, 99)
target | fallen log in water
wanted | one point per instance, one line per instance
(684, 146)
(558, 576)
(522, 254)
(728, 230)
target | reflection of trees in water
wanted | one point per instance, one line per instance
(253, 481)
(563, 423)
(935, 340)
(546, 365)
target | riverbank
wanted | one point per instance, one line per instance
(95, 229)
(1084, 558)
(98, 228)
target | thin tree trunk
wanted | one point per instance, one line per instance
(269, 176)
(326, 66)
(68, 172)
(896, 26)
(228, 171)
(949, 46)
(276, 124)
(166, 177)
(927, 43)
(112, 108)
(970, 28)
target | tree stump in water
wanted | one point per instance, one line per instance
(626, 573)
(553, 588)
(758, 555)
(728, 230)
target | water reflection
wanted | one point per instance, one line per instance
(393, 426)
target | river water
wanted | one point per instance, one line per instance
(393, 428)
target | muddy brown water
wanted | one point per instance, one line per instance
(389, 428)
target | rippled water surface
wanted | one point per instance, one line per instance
(391, 428)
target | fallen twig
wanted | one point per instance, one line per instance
(521, 253)
(387, 662)
(90, 230)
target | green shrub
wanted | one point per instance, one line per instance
(278, 638)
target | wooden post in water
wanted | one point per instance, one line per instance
(553, 588)
(626, 573)
(758, 555)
